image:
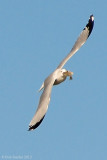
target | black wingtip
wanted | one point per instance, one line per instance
(92, 17)
(90, 24)
(32, 127)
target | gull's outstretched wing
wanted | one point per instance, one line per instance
(80, 41)
(43, 103)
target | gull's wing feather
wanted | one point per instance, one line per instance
(80, 41)
(43, 103)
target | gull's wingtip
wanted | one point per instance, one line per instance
(92, 17)
(30, 129)
(90, 24)
(34, 126)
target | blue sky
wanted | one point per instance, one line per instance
(35, 37)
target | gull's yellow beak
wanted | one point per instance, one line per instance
(68, 73)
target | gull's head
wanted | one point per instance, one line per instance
(66, 73)
(63, 70)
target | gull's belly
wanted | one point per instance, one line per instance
(59, 80)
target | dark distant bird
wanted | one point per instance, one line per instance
(58, 76)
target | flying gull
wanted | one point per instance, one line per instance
(59, 75)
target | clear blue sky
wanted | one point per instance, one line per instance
(34, 37)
